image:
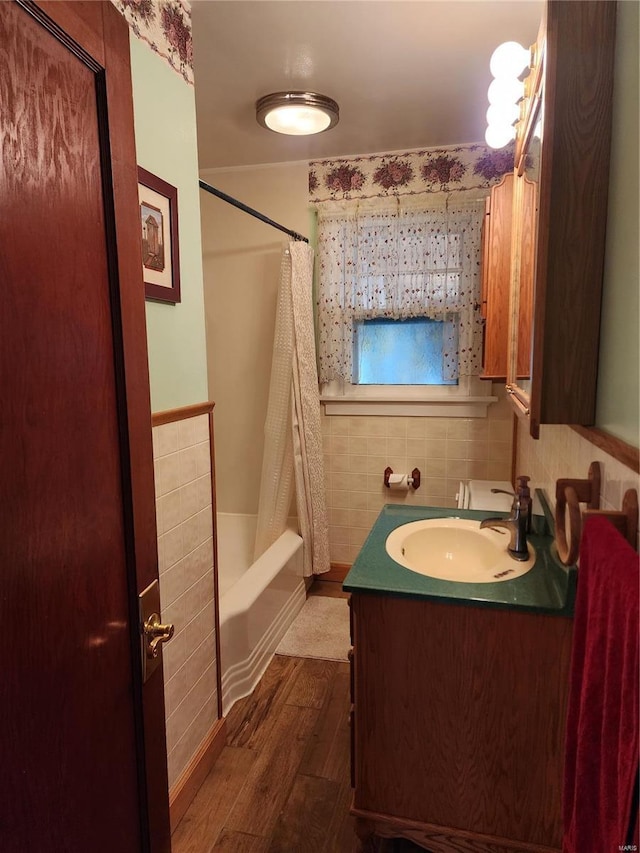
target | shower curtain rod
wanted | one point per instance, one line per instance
(250, 210)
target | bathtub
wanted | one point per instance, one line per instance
(258, 601)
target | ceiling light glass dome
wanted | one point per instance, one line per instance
(297, 113)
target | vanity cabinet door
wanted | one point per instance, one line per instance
(573, 94)
(496, 259)
(458, 729)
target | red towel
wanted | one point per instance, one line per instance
(601, 754)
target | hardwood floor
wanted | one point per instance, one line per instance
(282, 781)
(281, 784)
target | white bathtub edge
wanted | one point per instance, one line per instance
(240, 679)
(245, 592)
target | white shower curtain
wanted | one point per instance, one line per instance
(292, 458)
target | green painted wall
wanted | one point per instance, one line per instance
(619, 367)
(165, 127)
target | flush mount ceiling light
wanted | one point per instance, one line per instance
(297, 113)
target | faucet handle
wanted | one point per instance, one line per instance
(523, 494)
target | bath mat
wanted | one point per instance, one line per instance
(320, 630)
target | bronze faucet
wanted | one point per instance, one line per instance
(519, 522)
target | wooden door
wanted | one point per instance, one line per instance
(81, 740)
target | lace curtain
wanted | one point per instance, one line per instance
(399, 261)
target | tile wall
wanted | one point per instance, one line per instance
(182, 465)
(562, 452)
(357, 449)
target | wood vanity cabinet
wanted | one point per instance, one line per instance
(569, 100)
(458, 716)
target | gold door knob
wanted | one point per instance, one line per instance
(155, 634)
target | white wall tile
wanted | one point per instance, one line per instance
(201, 428)
(339, 535)
(175, 690)
(188, 465)
(457, 469)
(165, 439)
(182, 467)
(436, 448)
(189, 500)
(561, 452)
(435, 427)
(481, 471)
(199, 596)
(202, 657)
(186, 433)
(174, 654)
(191, 533)
(342, 481)
(193, 736)
(339, 463)
(168, 511)
(445, 450)
(173, 546)
(167, 473)
(205, 525)
(416, 448)
(416, 428)
(172, 585)
(457, 428)
(199, 627)
(203, 459)
(204, 490)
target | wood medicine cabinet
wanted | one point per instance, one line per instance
(560, 210)
(496, 275)
(496, 279)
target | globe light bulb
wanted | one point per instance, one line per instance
(499, 135)
(509, 60)
(503, 113)
(505, 90)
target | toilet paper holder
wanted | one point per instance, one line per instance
(413, 480)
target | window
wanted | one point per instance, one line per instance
(403, 352)
(398, 299)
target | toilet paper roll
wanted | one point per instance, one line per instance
(399, 482)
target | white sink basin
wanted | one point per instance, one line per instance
(456, 549)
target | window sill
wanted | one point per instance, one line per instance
(433, 407)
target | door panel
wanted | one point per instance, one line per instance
(77, 526)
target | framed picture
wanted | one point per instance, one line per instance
(159, 224)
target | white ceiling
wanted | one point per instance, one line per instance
(406, 73)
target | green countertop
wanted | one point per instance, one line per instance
(549, 587)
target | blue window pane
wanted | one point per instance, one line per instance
(401, 352)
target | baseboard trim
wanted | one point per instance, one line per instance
(196, 771)
(436, 838)
(337, 573)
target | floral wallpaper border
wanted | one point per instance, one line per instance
(431, 170)
(165, 25)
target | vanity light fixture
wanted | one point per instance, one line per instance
(508, 63)
(297, 113)
(509, 60)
